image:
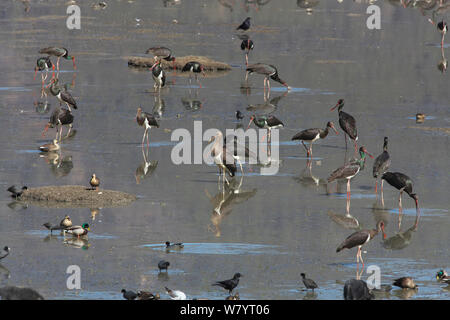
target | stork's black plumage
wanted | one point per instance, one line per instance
(347, 123)
(381, 164)
(244, 25)
(357, 290)
(15, 193)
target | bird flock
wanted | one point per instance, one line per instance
(226, 160)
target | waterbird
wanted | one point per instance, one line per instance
(266, 122)
(177, 245)
(309, 283)
(239, 115)
(350, 169)
(405, 283)
(59, 118)
(78, 230)
(381, 164)
(16, 193)
(223, 158)
(145, 295)
(50, 147)
(420, 117)
(233, 297)
(442, 28)
(163, 265)
(357, 290)
(148, 120)
(383, 288)
(162, 53)
(247, 45)
(128, 294)
(240, 152)
(65, 223)
(158, 75)
(404, 183)
(62, 96)
(196, 68)
(94, 182)
(442, 276)
(176, 294)
(244, 25)
(347, 123)
(7, 250)
(268, 71)
(16, 293)
(229, 284)
(360, 238)
(60, 53)
(313, 134)
(43, 63)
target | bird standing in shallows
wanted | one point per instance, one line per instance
(147, 119)
(163, 265)
(359, 239)
(347, 123)
(402, 182)
(94, 182)
(162, 53)
(224, 159)
(158, 75)
(16, 193)
(7, 250)
(229, 284)
(43, 63)
(59, 118)
(66, 222)
(60, 53)
(78, 230)
(244, 25)
(381, 164)
(311, 135)
(129, 295)
(349, 170)
(357, 290)
(268, 71)
(442, 28)
(247, 45)
(405, 283)
(176, 294)
(16, 293)
(266, 122)
(63, 96)
(196, 68)
(309, 283)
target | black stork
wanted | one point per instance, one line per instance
(381, 164)
(158, 75)
(404, 183)
(43, 63)
(60, 53)
(148, 120)
(229, 284)
(349, 170)
(239, 115)
(268, 71)
(311, 135)
(15, 193)
(442, 28)
(360, 238)
(309, 283)
(59, 118)
(223, 158)
(162, 53)
(196, 68)
(63, 96)
(247, 45)
(347, 123)
(266, 122)
(244, 25)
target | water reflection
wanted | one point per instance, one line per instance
(74, 242)
(402, 239)
(308, 179)
(192, 102)
(159, 106)
(269, 106)
(62, 166)
(146, 168)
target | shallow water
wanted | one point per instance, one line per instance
(277, 226)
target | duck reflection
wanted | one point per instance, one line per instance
(17, 205)
(192, 102)
(60, 166)
(5, 272)
(146, 168)
(94, 212)
(402, 239)
(307, 4)
(224, 201)
(79, 243)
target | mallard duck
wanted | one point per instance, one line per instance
(442, 276)
(177, 245)
(50, 147)
(95, 182)
(78, 230)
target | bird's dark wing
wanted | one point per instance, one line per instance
(273, 122)
(343, 172)
(53, 51)
(67, 97)
(398, 180)
(309, 283)
(348, 124)
(13, 190)
(151, 119)
(307, 135)
(357, 238)
(381, 164)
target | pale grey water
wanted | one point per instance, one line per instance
(279, 226)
